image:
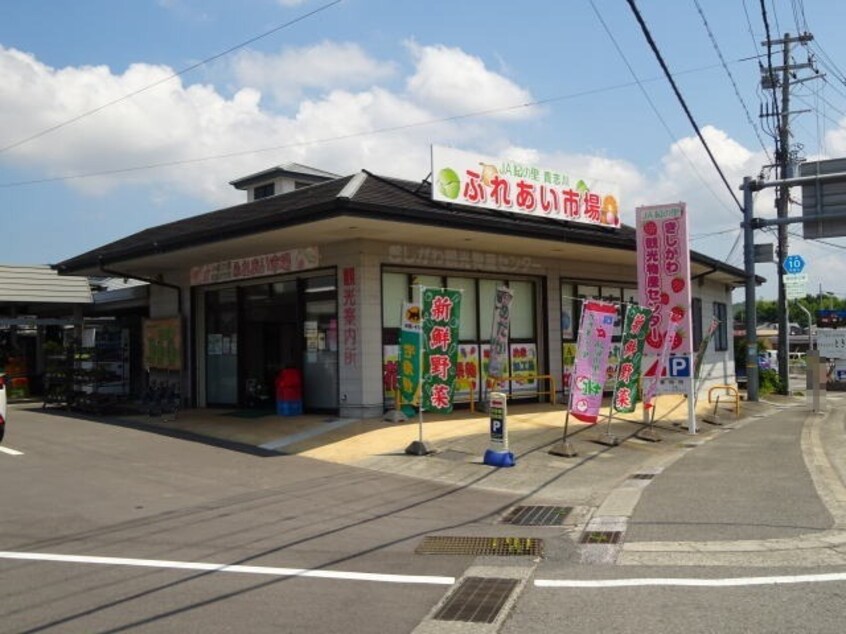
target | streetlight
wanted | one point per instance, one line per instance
(828, 294)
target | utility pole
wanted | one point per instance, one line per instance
(783, 162)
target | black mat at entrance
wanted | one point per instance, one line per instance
(250, 413)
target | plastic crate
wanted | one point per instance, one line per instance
(289, 408)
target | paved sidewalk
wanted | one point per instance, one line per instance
(459, 441)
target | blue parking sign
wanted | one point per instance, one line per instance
(678, 366)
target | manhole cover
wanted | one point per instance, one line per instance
(504, 546)
(642, 476)
(477, 600)
(537, 515)
(601, 537)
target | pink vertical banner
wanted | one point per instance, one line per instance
(593, 347)
(653, 375)
(663, 276)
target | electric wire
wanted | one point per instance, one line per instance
(679, 96)
(711, 234)
(731, 79)
(353, 135)
(652, 104)
(771, 76)
(163, 80)
(749, 25)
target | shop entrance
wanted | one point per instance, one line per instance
(271, 327)
(253, 332)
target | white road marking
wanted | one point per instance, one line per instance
(211, 567)
(693, 583)
(11, 452)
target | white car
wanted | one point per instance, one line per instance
(2, 405)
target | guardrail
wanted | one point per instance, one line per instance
(551, 392)
(731, 392)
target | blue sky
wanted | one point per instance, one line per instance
(556, 90)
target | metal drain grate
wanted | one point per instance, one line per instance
(537, 515)
(642, 476)
(601, 537)
(477, 600)
(503, 546)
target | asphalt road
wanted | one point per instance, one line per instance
(85, 488)
(316, 547)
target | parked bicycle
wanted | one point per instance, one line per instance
(161, 398)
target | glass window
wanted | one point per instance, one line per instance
(394, 293)
(263, 191)
(612, 294)
(222, 346)
(467, 326)
(721, 334)
(696, 321)
(587, 292)
(522, 310)
(487, 298)
(432, 281)
(568, 316)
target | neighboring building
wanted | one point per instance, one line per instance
(314, 277)
(281, 179)
(35, 305)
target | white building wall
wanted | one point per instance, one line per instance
(360, 376)
(717, 366)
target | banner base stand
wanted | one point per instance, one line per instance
(714, 419)
(564, 448)
(499, 458)
(418, 448)
(650, 435)
(395, 416)
(607, 438)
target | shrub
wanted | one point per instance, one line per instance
(770, 382)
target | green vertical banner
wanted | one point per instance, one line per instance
(409, 357)
(635, 328)
(441, 312)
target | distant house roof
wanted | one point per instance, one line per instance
(297, 171)
(364, 195)
(41, 285)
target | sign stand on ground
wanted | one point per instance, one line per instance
(498, 455)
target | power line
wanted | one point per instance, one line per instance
(652, 103)
(467, 115)
(711, 234)
(179, 73)
(731, 78)
(749, 25)
(669, 76)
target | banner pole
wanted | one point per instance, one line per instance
(565, 448)
(418, 447)
(607, 438)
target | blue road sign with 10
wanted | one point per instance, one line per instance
(794, 264)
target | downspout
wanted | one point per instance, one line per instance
(132, 276)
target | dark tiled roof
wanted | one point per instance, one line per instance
(223, 224)
(375, 197)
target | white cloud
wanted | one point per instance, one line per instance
(175, 124)
(333, 129)
(323, 66)
(450, 81)
(291, 3)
